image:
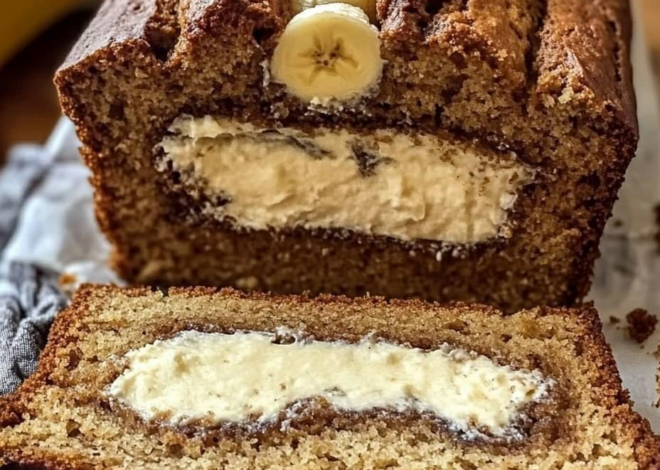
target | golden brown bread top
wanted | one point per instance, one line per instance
(543, 46)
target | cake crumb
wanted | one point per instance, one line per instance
(614, 320)
(68, 283)
(641, 324)
(67, 279)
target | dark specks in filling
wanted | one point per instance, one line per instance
(183, 181)
(367, 161)
(306, 146)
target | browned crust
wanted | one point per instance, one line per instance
(89, 298)
(580, 43)
(117, 22)
(641, 324)
(586, 43)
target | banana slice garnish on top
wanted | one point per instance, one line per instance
(329, 52)
(368, 6)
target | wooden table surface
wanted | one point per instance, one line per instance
(28, 104)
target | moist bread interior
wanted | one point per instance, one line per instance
(548, 80)
(589, 421)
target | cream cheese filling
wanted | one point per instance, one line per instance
(247, 377)
(384, 183)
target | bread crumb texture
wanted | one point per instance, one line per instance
(62, 419)
(547, 80)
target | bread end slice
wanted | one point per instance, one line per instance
(62, 417)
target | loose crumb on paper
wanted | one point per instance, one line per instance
(68, 283)
(614, 320)
(641, 324)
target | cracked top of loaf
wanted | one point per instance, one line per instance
(536, 52)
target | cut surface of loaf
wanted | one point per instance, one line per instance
(480, 162)
(86, 406)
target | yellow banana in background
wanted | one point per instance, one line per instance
(23, 20)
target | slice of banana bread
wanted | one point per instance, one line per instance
(437, 149)
(199, 378)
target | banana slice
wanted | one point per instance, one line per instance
(368, 6)
(328, 52)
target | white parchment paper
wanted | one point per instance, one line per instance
(57, 231)
(628, 273)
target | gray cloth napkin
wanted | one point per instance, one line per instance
(24, 169)
(29, 297)
(28, 305)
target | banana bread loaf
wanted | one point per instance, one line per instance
(435, 149)
(197, 378)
